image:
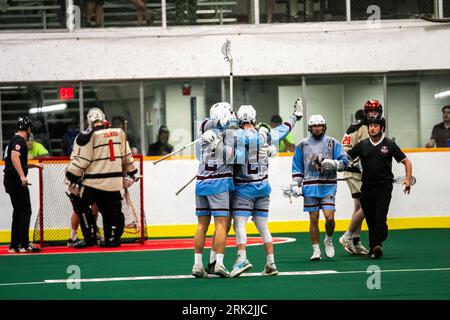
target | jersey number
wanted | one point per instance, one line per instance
(213, 156)
(112, 156)
(253, 159)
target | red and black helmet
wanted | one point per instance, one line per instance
(373, 105)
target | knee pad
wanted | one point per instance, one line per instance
(263, 229)
(239, 228)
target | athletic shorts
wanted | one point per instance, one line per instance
(244, 207)
(313, 204)
(217, 205)
(354, 184)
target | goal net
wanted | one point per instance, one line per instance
(53, 224)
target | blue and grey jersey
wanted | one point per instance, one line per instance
(309, 153)
(215, 169)
(251, 173)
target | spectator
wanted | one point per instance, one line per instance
(97, 6)
(35, 149)
(119, 122)
(440, 136)
(288, 143)
(142, 12)
(68, 139)
(162, 146)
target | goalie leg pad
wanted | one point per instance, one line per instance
(110, 206)
(87, 220)
(263, 228)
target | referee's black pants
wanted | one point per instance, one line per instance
(20, 199)
(375, 202)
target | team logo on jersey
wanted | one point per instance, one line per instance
(17, 147)
(384, 149)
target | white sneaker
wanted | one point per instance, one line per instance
(198, 271)
(270, 270)
(347, 243)
(329, 248)
(316, 256)
(360, 249)
(221, 271)
(240, 268)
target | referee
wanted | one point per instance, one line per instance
(16, 185)
(376, 153)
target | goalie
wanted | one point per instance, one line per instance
(96, 175)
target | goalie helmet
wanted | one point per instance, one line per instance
(95, 114)
(23, 123)
(219, 110)
(317, 120)
(373, 106)
(246, 114)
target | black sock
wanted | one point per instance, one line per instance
(356, 240)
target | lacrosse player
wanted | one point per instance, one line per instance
(213, 187)
(95, 173)
(252, 189)
(351, 239)
(376, 155)
(316, 160)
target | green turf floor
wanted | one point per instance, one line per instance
(404, 250)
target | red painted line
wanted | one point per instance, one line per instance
(149, 245)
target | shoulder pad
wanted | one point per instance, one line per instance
(84, 137)
(354, 127)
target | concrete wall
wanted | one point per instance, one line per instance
(194, 52)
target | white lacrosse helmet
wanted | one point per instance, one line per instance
(246, 114)
(317, 120)
(95, 114)
(219, 110)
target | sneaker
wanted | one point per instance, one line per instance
(329, 248)
(360, 249)
(316, 256)
(13, 250)
(81, 244)
(377, 252)
(210, 267)
(221, 271)
(240, 268)
(110, 244)
(347, 243)
(71, 243)
(270, 270)
(198, 271)
(30, 249)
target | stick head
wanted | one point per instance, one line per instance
(226, 51)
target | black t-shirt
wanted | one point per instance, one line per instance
(159, 149)
(17, 144)
(376, 160)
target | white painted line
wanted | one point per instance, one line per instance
(169, 277)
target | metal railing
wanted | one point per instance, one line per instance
(60, 14)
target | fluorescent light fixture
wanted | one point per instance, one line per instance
(442, 94)
(52, 108)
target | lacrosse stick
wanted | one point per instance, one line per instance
(137, 222)
(176, 151)
(226, 51)
(184, 187)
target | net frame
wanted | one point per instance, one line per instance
(39, 232)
